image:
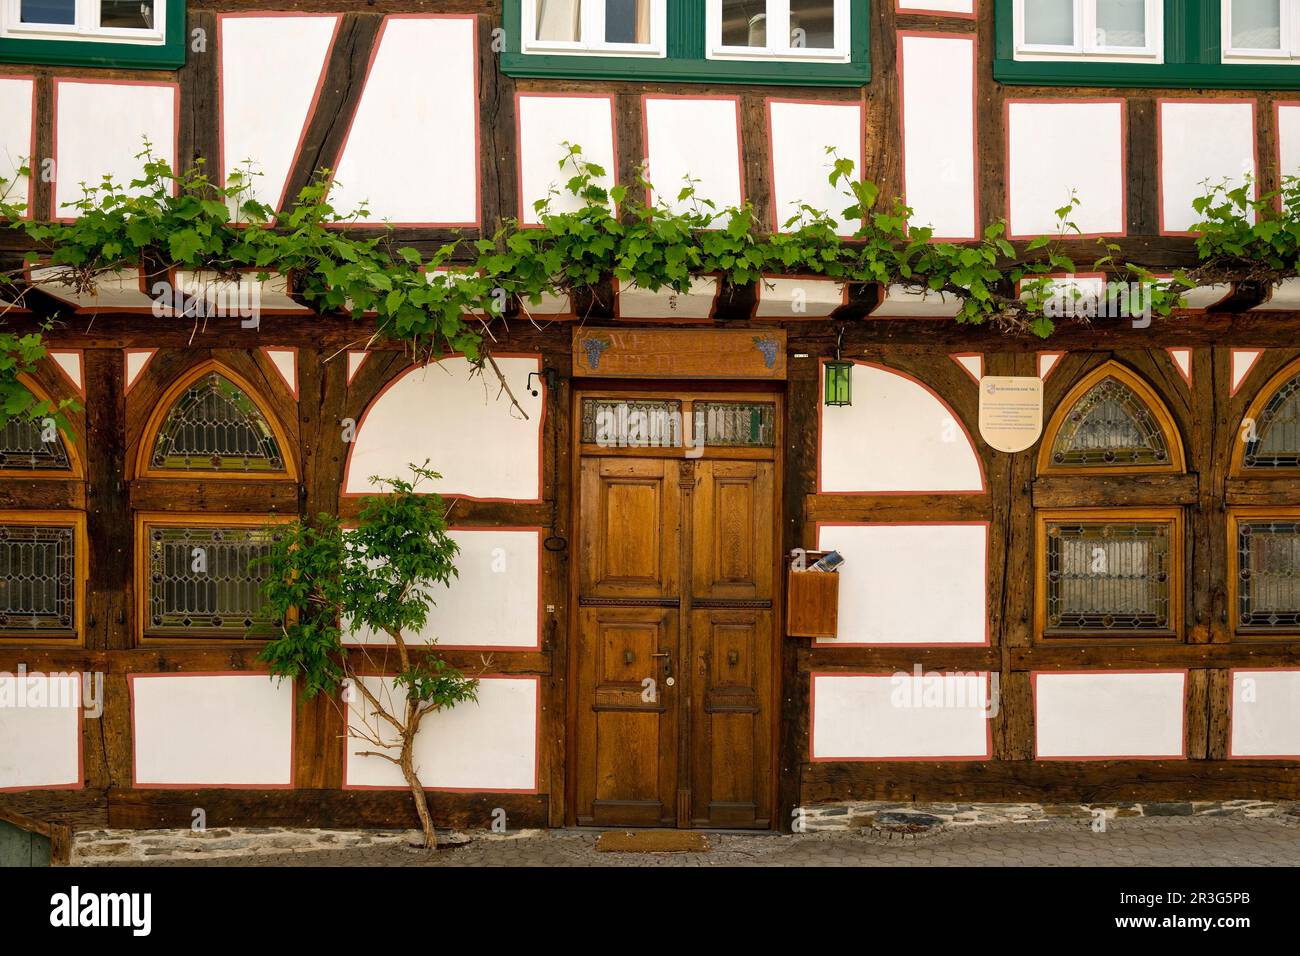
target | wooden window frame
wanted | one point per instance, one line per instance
(144, 520)
(1176, 465)
(687, 57)
(1173, 516)
(1252, 513)
(1237, 463)
(1193, 57)
(73, 46)
(81, 569)
(144, 467)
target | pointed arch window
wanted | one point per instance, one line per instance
(1272, 432)
(1111, 421)
(213, 424)
(33, 445)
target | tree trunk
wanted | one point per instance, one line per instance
(410, 726)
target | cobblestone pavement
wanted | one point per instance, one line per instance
(1163, 842)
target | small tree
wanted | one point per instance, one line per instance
(324, 581)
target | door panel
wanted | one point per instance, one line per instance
(734, 532)
(731, 738)
(627, 732)
(630, 527)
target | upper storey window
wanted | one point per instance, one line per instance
(802, 42)
(1111, 30)
(118, 33)
(1229, 44)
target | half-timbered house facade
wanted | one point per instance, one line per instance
(1110, 614)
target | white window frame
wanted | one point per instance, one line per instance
(778, 29)
(1085, 46)
(1290, 50)
(86, 28)
(592, 24)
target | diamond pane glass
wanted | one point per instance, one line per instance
(736, 424)
(202, 582)
(37, 580)
(1109, 426)
(1108, 577)
(24, 446)
(1276, 441)
(1268, 566)
(214, 426)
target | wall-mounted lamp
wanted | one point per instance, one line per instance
(550, 378)
(839, 378)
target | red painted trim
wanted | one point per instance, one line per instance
(974, 130)
(957, 356)
(795, 276)
(173, 160)
(1232, 704)
(127, 382)
(917, 11)
(1232, 354)
(771, 148)
(63, 373)
(32, 161)
(812, 718)
(1160, 148)
(740, 140)
(1038, 360)
(1123, 162)
(1277, 133)
(541, 580)
(821, 408)
(1182, 712)
(311, 108)
(521, 95)
(353, 372)
(668, 320)
(80, 782)
(537, 746)
(1185, 376)
(988, 529)
(135, 756)
(291, 386)
(477, 222)
(541, 432)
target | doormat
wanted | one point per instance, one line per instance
(652, 841)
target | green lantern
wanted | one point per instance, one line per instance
(839, 383)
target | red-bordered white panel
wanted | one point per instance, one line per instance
(962, 9)
(1200, 141)
(902, 716)
(17, 136)
(412, 151)
(100, 128)
(488, 745)
(1109, 715)
(1288, 138)
(898, 437)
(695, 136)
(1265, 714)
(1042, 176)
(495, 601)
(40, 732)
(546, 122)
(486, 450)
(888, 594)
(937, 77)
(272, 70)
(800, 132)
(224, 730)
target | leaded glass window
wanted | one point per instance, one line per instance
(632, 423)
(38, 584)
(1268, 572)
(1109, 577)
(32, 444)
(1274, 440)
(736, 424)
(205, 582)
(1109, 426)
(215, 426)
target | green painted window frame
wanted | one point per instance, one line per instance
(168, 55)
(1192, 57)
(686, 61)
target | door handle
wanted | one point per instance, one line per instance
(668, 661)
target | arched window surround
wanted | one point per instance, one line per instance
(1237, 466)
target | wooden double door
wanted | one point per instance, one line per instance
(673, 663)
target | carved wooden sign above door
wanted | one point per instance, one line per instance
(680, 353)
